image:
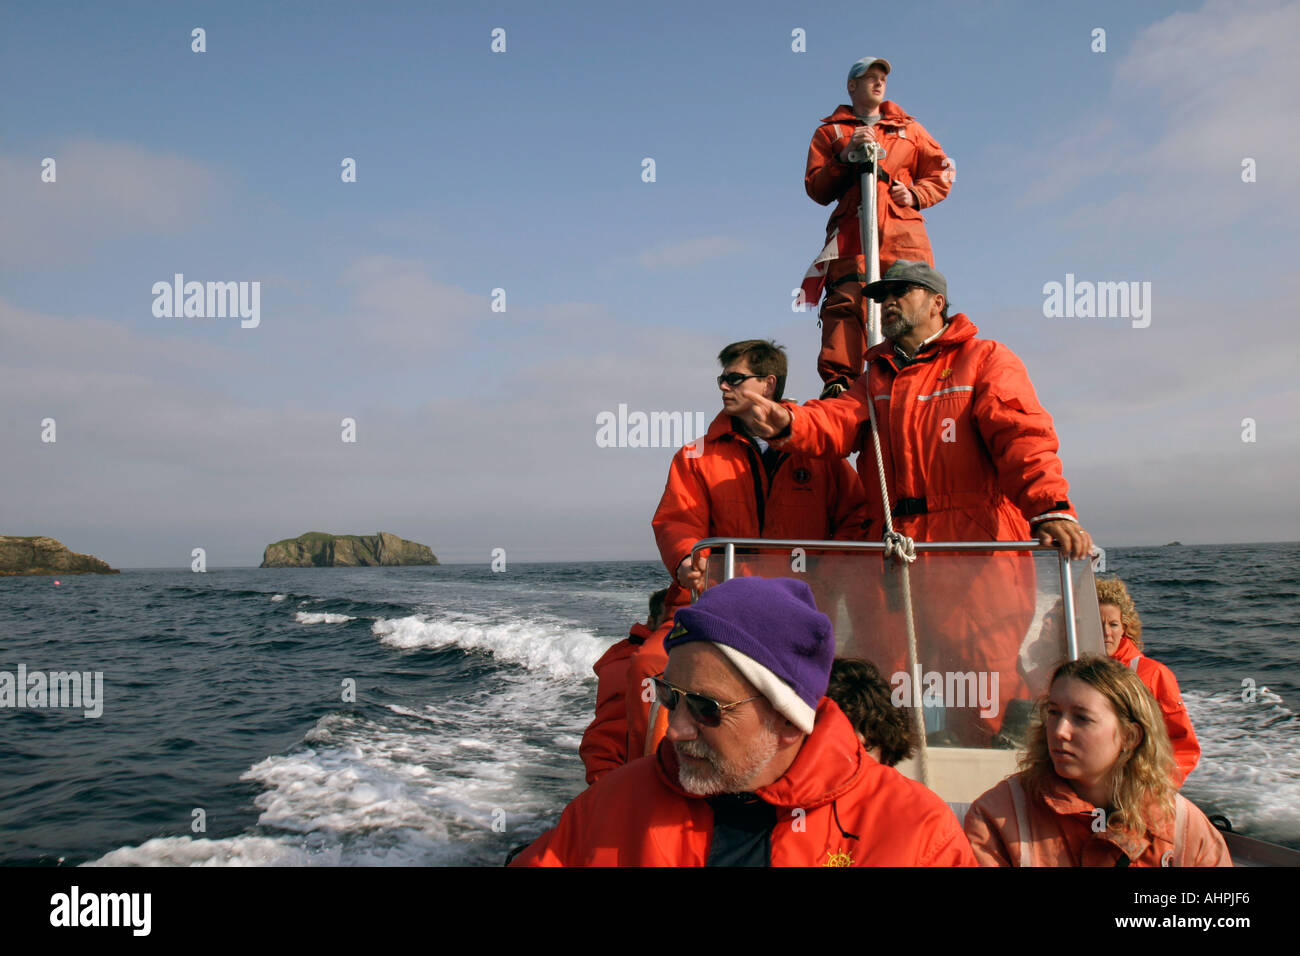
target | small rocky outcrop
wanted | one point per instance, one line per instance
(42, 555)
(317, 549)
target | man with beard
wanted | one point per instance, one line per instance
(730, 485)
(969, 452)
(759, 768)
(969, 455)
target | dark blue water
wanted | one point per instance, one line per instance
(224, 703)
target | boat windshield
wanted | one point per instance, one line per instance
(969, 632)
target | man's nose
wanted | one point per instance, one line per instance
(680, 725)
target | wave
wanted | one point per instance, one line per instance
(455, 784)
(307, 617)
(1250, 762)
(558, 650)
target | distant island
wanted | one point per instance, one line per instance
(1173, 544)
(316, 549)
(42, 555)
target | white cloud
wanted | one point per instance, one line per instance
(396, 301)
(1224, 86)
(104, 191)
(688, 253)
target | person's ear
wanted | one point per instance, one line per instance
(1133, 738)
(787, 733)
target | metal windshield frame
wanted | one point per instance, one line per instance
(729, 546)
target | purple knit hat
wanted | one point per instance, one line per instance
(771, 631)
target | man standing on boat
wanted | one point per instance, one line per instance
(914, 175)
(759, 767)
(968, 454)
(730, 484)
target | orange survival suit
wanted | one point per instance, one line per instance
(835, 806)
(913, 158)
(1061, 832)
(970, 455)
(1160, 680)
(732, 489)
(604, 744)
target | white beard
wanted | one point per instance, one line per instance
(723, 777)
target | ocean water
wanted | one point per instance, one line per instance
(415, 716)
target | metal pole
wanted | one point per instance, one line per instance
(729, 563)
(870, 236)
(1067, 599)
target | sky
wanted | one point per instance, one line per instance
(1169, 157)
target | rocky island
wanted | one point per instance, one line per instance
(317, 549)
(42, 555)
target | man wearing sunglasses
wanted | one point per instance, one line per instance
(914, 175)
(759, 768)
(969, 455)
(969, 452)
(731, 484)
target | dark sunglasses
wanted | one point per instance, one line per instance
(896, 291)
(735, 378)
(705, 710)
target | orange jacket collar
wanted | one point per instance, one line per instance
(826, 767)
(890, 113)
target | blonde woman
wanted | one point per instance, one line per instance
(1122, 630)
(1095, 786)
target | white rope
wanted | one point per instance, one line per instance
(902, 549)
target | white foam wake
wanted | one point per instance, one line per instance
(457, 783)
(1250, 762)
(309, 617)
(555, 649)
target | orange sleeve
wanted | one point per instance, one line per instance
(648, 661)
(932, 171)
(682, 517)
(825, 179)
(1187, 749)
(950, 846)
(986, 839)
(1019, 435)
(604, 743)
(985, 835)
(1205, 845)
(828, 429)
(562, 844)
